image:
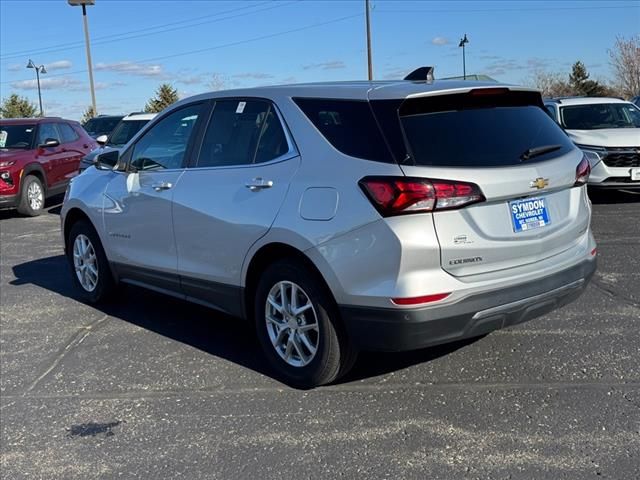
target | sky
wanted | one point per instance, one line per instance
(199, 46)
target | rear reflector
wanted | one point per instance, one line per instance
(583, 170)
(419, 300)
(402, 195)
(593, 252)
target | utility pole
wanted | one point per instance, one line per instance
(370, 64)
(463, 42)
(84, 4)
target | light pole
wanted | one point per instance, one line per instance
(39, 69)
(369, 62)
(463, 42)
(84, 3)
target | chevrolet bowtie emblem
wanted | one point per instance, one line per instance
(539, 183)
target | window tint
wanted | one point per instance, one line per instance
(101, 125)
(67, 133)
(45, 131)
(348, 125)
(241, 133)
(482, 137)
(165, 144)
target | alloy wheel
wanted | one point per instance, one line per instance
(85, 263)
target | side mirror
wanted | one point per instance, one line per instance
(102, 140)
(107, 160)
(49, 143)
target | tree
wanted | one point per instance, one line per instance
(17, 107)
(580, 83)
(88, 114)
(550, 84)
(165, 96)
(625, 60)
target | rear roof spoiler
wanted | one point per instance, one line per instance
(422, 74)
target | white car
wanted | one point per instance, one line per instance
(608, 131)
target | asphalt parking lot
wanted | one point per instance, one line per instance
(152, 387)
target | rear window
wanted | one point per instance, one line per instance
(124, 131)
(467, 130)
(101, 125)
(348, 125)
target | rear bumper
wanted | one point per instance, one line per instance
(384, 329)
(8, 201)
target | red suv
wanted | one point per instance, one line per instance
(38, 157)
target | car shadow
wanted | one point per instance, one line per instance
(205, 329)
(605, 196)
(52, 206)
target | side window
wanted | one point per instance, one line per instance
(242, 133)
(165, 144)
(67, 133)
(45, 131)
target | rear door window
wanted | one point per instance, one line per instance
(242, 132)
(67, 134)
(348, 125)
(482, 130)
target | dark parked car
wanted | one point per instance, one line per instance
(38, 157)
(102, 125)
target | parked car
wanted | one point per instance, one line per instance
(608, 131)
(636, 101)
(38, 157)
(101, 125)
(341, 217)
(124, 131)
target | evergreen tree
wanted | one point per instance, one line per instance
(17, 107)
(165, 96)
(581, 84)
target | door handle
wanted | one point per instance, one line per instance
(258, 184)
(161, 186)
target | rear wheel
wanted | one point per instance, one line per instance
(31, 197)
(88, 262)
(298, 326)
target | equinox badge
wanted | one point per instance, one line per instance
(539, 183)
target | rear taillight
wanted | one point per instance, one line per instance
(582, 171)
(402, 195)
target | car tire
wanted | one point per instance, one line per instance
(303, 356)
(32, 197)
(89, 265)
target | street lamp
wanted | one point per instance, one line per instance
(39, 69)
(463, 42)
(84, 3)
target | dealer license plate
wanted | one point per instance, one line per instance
(529, 213)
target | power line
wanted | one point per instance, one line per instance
(498, 10)
(217, 47)
(139, 32)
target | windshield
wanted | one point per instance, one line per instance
(16, 136)
(600, 115)
(101, 125)
(125, 131)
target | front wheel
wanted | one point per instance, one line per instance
(299, 327)
(88, 262)
(31, 197)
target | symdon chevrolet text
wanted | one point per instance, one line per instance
(341, 217)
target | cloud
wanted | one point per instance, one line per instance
(47, 84)
(190, 80)
(131, 68)
(15, 67)
(396, 73)
(288, 80)
(330, 65)
(59, 65)
(440, 41)
(253, 75)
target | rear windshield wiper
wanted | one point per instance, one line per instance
(537, 151)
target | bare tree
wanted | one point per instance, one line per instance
(217, 82)
(625, 60)
(550, 84)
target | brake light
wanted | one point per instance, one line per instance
(402, 195)
(488, 91)
(582, 171)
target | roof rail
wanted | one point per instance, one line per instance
(422, 74)
(136, 113)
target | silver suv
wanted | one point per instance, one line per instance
(342, 217)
